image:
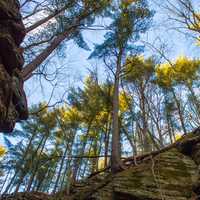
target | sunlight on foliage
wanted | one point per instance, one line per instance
(178, 136)
(2, 151)
(164, 75)
(124, 101)
(137, 68)
(183, 70)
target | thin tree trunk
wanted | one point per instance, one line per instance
(32, 66)
(179, 112)
(5, 180)
(24, 173)
(94, 160)
(47, 185)
(196, 101)
(78, 162)
(170, 130)
(60, 170)
(46, 19)
(40, 182)
(36, 165)
(68, 163)
(107, 140)
(116, 164)
(99, 148)
(20, 163)
(129, 139)
(146, 144)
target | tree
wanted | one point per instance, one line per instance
(79, 18)
(130, 19)
(185, 12)
(140, 72)
(182, 72)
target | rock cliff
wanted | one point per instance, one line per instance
(13, 104)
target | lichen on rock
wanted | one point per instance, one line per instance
(13, 104)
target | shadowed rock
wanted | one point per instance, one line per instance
(13, 104)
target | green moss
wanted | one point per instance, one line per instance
(169, 175)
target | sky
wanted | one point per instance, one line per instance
(75, 64)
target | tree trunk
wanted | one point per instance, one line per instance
(78, 162)
(36, 166)
(24, 173)
(60, 170)
(5, 180)
(179, 112)
(68, 169)
(146, 144)
(20, 163)
(32, 66)
(116, 164)
(196, 101)
(107, 139)
(46, 19)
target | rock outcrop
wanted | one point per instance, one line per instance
(169, 174)
(13, 104)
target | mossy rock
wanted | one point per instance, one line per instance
(170, 175)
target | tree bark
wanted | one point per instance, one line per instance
(116, 164)
(32, 66)
(107, 139)
(179, 112)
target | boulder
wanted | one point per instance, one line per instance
(170, 174)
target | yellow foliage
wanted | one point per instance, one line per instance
(67, 114)
(124, 100)
(183, 70)
(137, 68)
(2, 151)
(126, 3)
(186, 68)
(177, 136)
(165, 74)
(102, 116)
(72, 114)
(101, 163)
(195, 26)
(198, 42)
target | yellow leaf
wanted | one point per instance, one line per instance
(2, 151)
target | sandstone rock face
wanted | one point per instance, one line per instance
(168, 176)
(13, 104)
(172, 174)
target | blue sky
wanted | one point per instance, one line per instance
(76, 63)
